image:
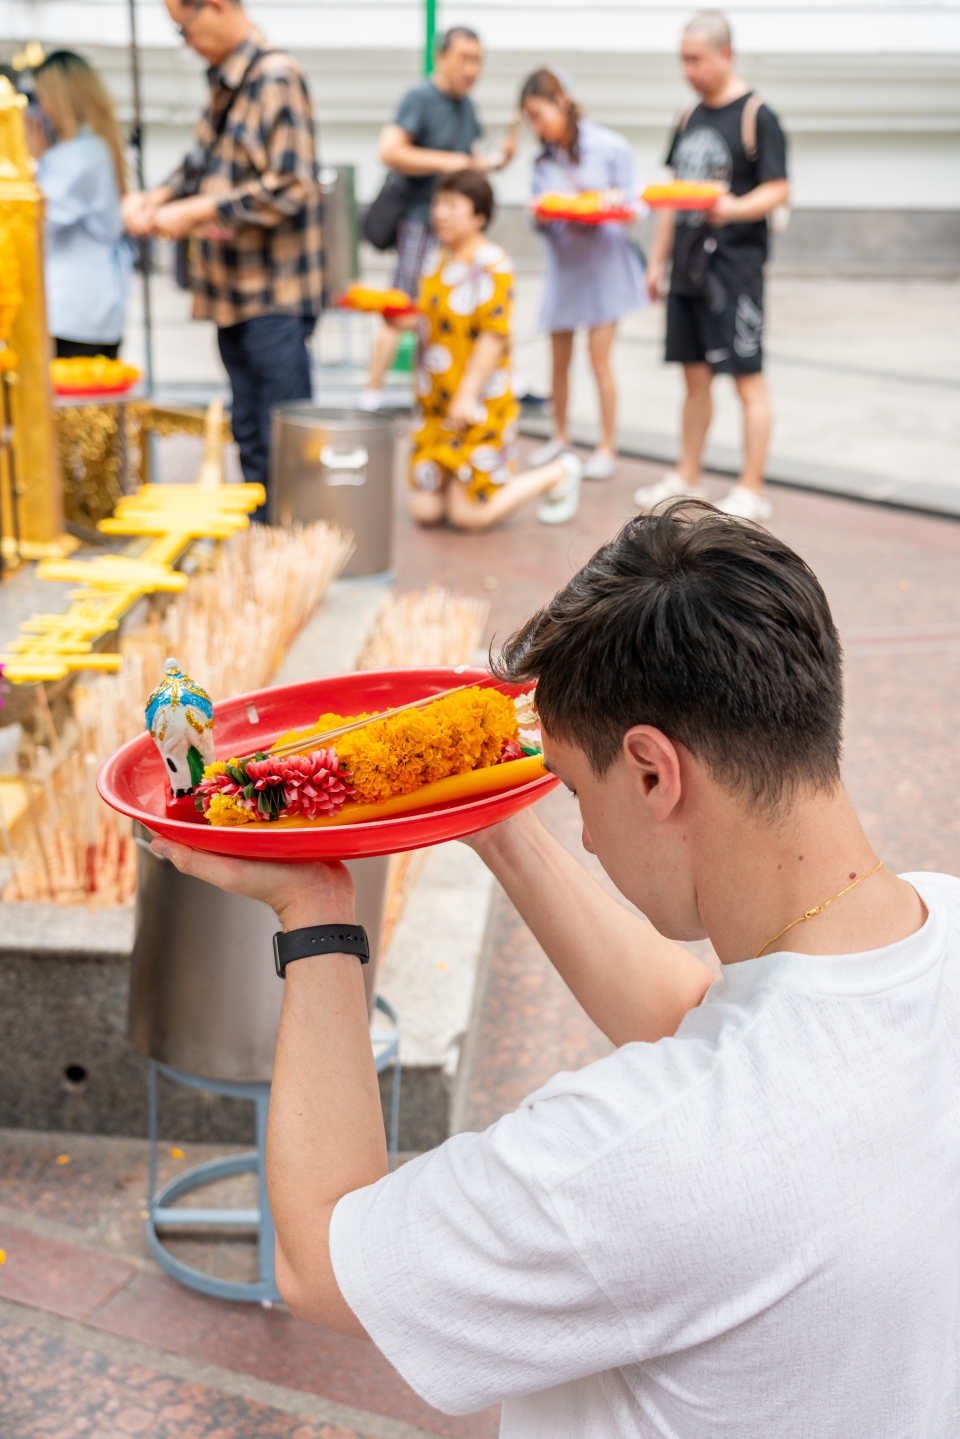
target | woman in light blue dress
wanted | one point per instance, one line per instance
(81, 175)
(594, 274)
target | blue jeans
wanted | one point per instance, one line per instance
(267, 361)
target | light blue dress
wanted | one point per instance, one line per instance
(594, 275)
(88, 259)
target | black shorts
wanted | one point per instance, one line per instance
(728, 340)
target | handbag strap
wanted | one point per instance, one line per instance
(219, 124)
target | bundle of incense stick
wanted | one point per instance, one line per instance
(69, 848)
(426, 627)
(231, 629)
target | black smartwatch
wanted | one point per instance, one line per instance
(320, 939)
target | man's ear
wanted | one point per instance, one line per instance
(654, 762)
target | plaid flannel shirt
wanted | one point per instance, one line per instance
(262, 170)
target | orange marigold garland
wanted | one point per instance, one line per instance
(469, 730)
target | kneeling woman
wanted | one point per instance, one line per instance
(464, 454)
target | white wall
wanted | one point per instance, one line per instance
(867, 89)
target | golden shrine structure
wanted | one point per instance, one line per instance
(162, 521)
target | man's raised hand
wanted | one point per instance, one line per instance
(298, 894)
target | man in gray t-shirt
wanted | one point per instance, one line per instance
(433, 133)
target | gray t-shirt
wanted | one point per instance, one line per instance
(435, 121)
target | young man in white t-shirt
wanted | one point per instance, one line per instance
(746, 1221)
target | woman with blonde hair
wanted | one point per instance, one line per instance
(81, 173)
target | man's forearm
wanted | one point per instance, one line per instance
(758, 203)
(413, 161)
(633, 983)
(325, 1135)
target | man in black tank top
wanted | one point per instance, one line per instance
(715, 300)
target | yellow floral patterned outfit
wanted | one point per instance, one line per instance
(458, 303)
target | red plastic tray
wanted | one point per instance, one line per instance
(389, 312)
(622, 214)
(133, 780)
(94, 392)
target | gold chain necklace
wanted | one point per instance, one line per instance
(809, 914)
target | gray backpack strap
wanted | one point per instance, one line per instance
(748, 126)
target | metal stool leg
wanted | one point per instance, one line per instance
(163, 1211)
(394, 1115)
(266, 1241)
(152, 1130)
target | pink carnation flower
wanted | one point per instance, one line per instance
(313, 784)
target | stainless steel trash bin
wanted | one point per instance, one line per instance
(204, 995)
(339, 465)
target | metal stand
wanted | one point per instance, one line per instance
(161, 1207)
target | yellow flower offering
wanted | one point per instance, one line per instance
(461, 732)
(366, 297)
(91, 372)
(588, 202)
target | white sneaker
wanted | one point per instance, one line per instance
(562, 502)
(669, 487)
(370, 400)
(543, 454)
(745, 504)
(600, 467)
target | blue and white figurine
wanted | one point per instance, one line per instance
(180, 720)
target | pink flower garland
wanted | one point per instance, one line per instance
(309, 785)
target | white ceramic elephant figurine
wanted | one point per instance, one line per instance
(180, 718)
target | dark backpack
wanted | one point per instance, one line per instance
(778, 219)
(382, 220)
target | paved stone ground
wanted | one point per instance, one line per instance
(95, 1341)
(864, 374)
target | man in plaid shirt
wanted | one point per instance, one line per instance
(247, 199)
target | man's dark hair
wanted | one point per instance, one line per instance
(707, 628)
(456, 32)
(472, 184)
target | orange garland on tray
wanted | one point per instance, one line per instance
(393, 763)
(682, 195)
(90, 374)
(590, 207)
(377, 302)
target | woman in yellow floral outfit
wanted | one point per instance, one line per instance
(464, 454)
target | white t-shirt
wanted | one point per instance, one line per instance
(750, 1230)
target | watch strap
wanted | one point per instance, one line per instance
(320, 939)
